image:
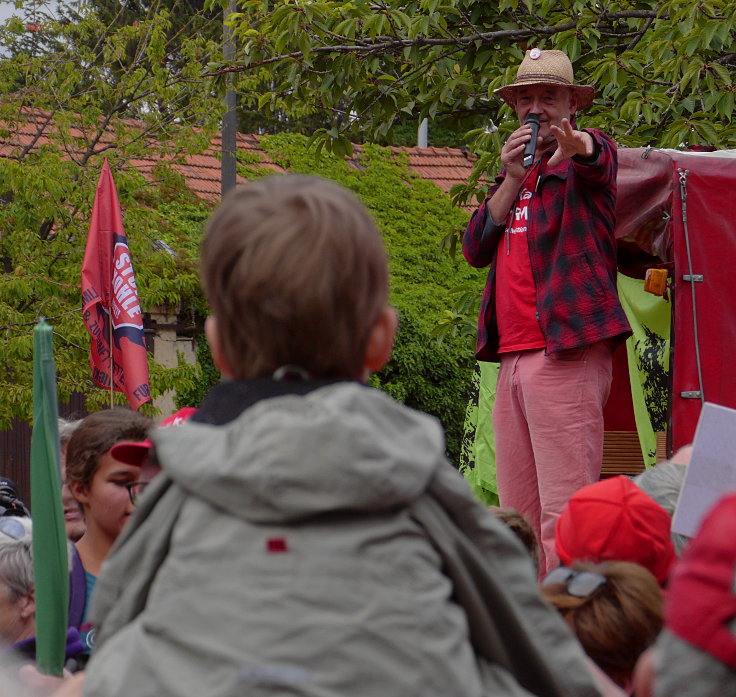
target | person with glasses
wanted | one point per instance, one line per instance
(142, 454)
(615, 609)
(135, 489)
(550, 314)
(105, 489)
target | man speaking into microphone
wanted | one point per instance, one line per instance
(550, 311)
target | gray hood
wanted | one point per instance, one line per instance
(357, 449)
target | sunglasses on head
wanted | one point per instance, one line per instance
(12, 528)
(581, 584)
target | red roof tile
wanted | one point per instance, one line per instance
(444, 166)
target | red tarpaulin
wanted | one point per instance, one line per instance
(650, 212)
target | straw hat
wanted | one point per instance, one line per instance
(547, 68)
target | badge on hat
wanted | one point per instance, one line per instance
(534, 54)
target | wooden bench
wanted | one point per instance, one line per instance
(622, 453)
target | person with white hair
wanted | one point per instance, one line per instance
(17, 594)
(17, 605)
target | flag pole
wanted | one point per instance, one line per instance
(112, 358)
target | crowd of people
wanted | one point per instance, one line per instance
(301, 533)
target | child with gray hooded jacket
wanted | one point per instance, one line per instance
(307, 535)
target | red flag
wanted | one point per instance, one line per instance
(108, 287)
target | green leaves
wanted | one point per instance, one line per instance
(664, 76)
(66, 99)
(359, 63)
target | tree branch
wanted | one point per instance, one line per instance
(640, 34)
(39, 132)
(388, 45)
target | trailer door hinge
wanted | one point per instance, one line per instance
(691, 394)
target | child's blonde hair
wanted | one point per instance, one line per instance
(295, 272)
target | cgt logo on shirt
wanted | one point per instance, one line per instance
(521, 213)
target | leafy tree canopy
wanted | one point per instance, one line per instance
(64, 96)
(664, 71)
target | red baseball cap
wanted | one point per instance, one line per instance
(701, 598)
(132, 453)
(614, 520)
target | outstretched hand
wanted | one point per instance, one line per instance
(570, 142)
(67, 686)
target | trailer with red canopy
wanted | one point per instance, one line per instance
(677, 210)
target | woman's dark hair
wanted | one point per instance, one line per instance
(521, 527)
(95, 435)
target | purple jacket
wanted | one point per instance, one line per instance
(73, 649)
(572, 249)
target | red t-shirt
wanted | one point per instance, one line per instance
(516, 294)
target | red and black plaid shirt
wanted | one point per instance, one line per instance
(572, 249)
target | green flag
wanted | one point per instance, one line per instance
(50, 560)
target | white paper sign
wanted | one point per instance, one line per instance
(712, 469)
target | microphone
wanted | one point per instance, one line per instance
(530, 149)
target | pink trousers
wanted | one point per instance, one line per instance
(548, 425)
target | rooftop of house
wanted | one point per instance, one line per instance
(443, 166)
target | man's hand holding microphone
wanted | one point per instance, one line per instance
(517, 155)
(520, 151)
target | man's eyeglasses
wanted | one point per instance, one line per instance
(581, 584)
(135, 489)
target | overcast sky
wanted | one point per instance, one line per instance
(25, 11)
(6, 10)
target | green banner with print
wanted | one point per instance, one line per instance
(648, 352)
(478, 449)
